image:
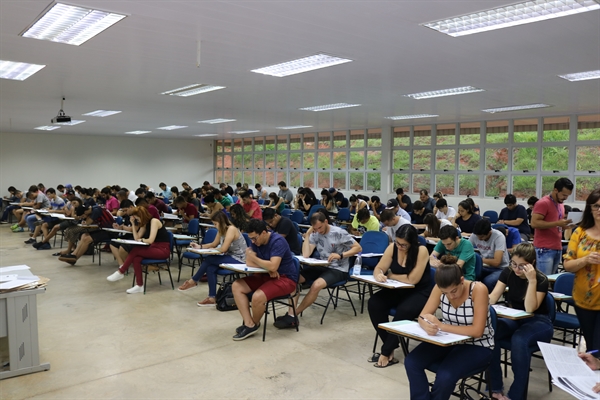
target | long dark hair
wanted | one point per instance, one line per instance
(587, 220)
(239, 218)
(433, 224)
(409, 233)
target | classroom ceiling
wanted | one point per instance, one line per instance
(155, 49)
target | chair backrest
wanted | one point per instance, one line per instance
(493, 317)
(169, 209)
(422, 240)
(286, 212)
(209, 235)
(297, 216)
(564, 284)
(171, 241)
(248, 241)
(373, 242)
(194, 227)
(478, 266)
(345, 203)
(119, 220)
(235, 199)
(297, 265)
(491, 215)
(551, 306)
(343, 214)
(260, 201)
(432, 273)
(313, 209)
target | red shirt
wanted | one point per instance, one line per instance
(548, 238)
(189, 212)
(253, 206)
(153, 211)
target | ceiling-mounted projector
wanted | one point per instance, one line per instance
(61, 117)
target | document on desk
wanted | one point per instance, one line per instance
(510, 312)
(369, 255)
(568, 371)
(170, 216)
(389, 283)
(205, 251)
(312, 261)
(414, 329)
(6, 270)
(20, 281)
(243, 268)
(129, 241)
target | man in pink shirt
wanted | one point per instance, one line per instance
(112, 204)
(548, 220)
(250, 206)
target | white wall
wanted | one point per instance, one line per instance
(97, 161)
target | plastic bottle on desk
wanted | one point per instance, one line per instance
(357, 265)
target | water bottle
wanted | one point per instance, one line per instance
(357, 265)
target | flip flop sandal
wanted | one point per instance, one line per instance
(57, 254)
(390, 362)
(374, 358)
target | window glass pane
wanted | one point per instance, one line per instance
(496, 159)
(420, 181)
(309, 161)
(400, 180)
(295, 178)
(309, 141)
(357, 159)
(339, 180)
(238, 176)
(445, 159)
(248, 161)
(588, 158)
(525, 159)
(227, 161)
(526, 131)
(282, 161)
(270, 178)
(495, 185)
(295, 142)
(219, 147)
(548, 184)
(468, 185)
(584, 185)
(339, 160)
(374, 159)
(401, 159)
(339, 140)
(270, 160)
(444, 184)
(422, 135)
(401, 136)
(237, 161)
(270, 143)
(323, 179)
(422, 159)
(308, 180)
(555, 158)
(281, 176)
(357, 180)
(374, 138)
(588, 127)
(523, 186)
(324, 160)
(556, 129)
(220, 162)
(496, 132)
(469, 159)
(324, 140)
(237, 146)
(295, 160)
(259, 177)
(218, 176)
(248, 178)
(470, 133)
(259, 161)
(227, 176)
(227, 146)
(357, 138)
(446, 134)
(259, 144)
(373, 181)
(247, 145)
(282, 142)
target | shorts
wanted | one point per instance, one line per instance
(329, 275)
(65, 224)
(101, 236)
(271, 287)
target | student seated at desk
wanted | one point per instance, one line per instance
(239, 218)
(419, 212)
(57, 205)
(38, 201)
(356, 204)
(376, 206)
(444, 211)
(328, 202)
(465, 311)
(229, 241)
(304, 200)
(250, 206)
(363, 221)
(222, 197)
(466, 219)
(434, 225)
(405, 261)
(15, 196)
(492, 247)
(275, 202)
(55, 226)
(392, 223)
(213, 207)
(110, 202)
(452, 243)
(121, 250)
(527, 289)
(157, 203)
(146, 230)
(187, 211)
(285, 228)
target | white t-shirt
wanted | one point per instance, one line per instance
(450, 214)
(391, 230)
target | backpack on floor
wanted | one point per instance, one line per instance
(224, 298)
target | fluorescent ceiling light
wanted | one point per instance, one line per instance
(101, 113)
(171, 127)
(330, 107)
(515, 108)
(48, 127)
(206, 135)
(514, 14)
(305, 64)
(415, 116)
(68, 24)
(294, 127)
(73, 122)
(216, 121)
(444, 92)
(582, 76)
(242, 132)
(192, 90)
(18, 71)
(137, 132)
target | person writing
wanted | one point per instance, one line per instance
(465, 311)
(527, 289)
(405, 261)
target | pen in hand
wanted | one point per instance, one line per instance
(429, 322)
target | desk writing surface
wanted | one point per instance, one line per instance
(413, 330)
(560, 296)
(207, 225)
(243, 268)
(553, 277)
(88, 226)
(170, 216)
(390, 283)
(115, 230)
(312, 261)
(511, 313)
(128, 241)
(183, 237)
(204, 251)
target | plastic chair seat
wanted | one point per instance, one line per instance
(568, 321)
(191, 256)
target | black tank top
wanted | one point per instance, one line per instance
(161, 236)
(397, 269)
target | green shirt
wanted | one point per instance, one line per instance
(371, 225)
(225, 202)
(464, 251)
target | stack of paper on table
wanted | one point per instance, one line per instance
(205, 251)
(511, 312)
(242, 268)
(312, 261)
(414, 329)
(170, 216)
(390, 283)
(569, 372)
(19, 277)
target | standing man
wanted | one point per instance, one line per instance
(492, 247)
(548, 220)
(427, 201)
(284, 192)
(251, 206)
(404, 201)
(284, 227)
(271, 252)
(515, 215)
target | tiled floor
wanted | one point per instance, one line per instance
(104, 343)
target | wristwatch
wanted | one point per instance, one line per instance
(341, 256)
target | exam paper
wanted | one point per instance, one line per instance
(413, 328)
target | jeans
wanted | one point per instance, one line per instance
(548, 260)
(7, 211)
(489, 277)
(590, 327)
(156, 251)
(523, 334)
(452, 367)
(210, 266)
(31, 220)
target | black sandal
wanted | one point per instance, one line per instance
(391, 362)
(374, 358)
(57, 254)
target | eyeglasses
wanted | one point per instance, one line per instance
(595, 207)
(514, 265)
(253, 239)
(402, 245)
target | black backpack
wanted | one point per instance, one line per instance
(224, 298)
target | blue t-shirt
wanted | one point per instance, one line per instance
(513, 238)
(518, 212)
(278, 247)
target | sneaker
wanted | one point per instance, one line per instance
(18, 229)
(135, 289)
(117, 275)
(14, 226)
(246, 332)
(240, 328)
(44, 246)
(68, 258)
(3, 222)
(30, 241)
(187, 285)
(207, 302)
(36, 245)
(286, 322)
